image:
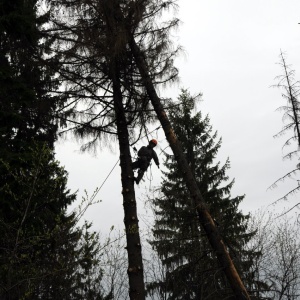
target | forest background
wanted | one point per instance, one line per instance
(234, 62)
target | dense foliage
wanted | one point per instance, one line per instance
(43, 255)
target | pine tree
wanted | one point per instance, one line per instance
(193, 270)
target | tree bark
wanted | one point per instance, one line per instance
(203, 214)
(117, 47)
(134, 250)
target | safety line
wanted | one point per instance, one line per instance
(95, 194)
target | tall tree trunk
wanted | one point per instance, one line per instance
(134, 250)
(117, 47)
(203, 213)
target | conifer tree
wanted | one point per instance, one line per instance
(144, 60)
(26, 107)
(193, 271)
(102, 76)
(42, 252)
(291, 119)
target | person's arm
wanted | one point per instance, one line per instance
(154, 155)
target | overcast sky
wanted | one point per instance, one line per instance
(232, 49)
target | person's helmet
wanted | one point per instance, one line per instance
(153, 141)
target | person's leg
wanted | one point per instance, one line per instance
(135, 165)
(141, 164)
(140, 176)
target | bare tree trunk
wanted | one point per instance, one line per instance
(203, 214)
(134, 250)
(291, 97)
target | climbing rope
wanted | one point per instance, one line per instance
(98, 189)
(94, 195)
(146, 135)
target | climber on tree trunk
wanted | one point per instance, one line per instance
(145, 156)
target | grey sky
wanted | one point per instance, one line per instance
(231, 51)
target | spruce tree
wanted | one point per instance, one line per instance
(26, 106)
(41, 251)
(43, 254)
(193, 270)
